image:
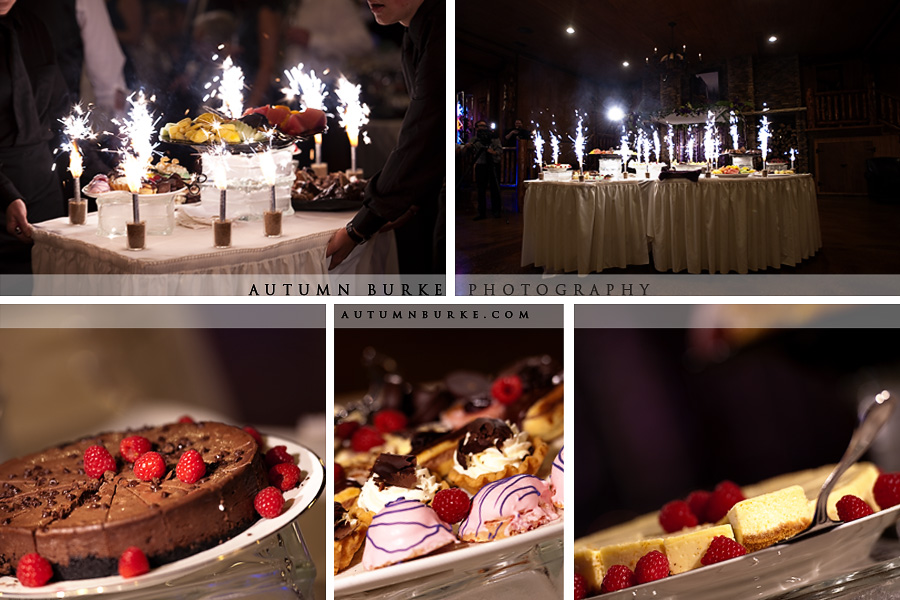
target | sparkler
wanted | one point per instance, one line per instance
(793, 155)
(656, 145)
(554, 147)
(733, 129)
(138, 153)
(764, 139)
(624, 150)
(708, 145)
(579, 143)
(267, 164)
(690, 151)
(670, 142)
(231, 89)
(353, 114)
(312, 93)
(75, 128)
(538, 146)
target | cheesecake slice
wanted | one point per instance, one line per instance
(765, 520)
(685, 550)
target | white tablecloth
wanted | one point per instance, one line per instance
(715, 225)
(63, 249)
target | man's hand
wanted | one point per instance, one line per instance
(17, 221)
(339, 248)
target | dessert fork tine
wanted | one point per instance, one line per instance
(871, 423)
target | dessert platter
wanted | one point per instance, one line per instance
(733, 172)
(446, 476)
(751, 546)
(194, 501)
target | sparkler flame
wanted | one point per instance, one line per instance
(579, 141)
(353, 113)
(670, 142)
(656, 144)
(138, 130)
(691, 144)
(307, 86)
(134, 169)
(267, 164)
(764, 136)
(538, 146)
(231, 89)
(554, 147)
(733, 129)
(623, 148)
(708, 145)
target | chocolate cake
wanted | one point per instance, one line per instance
(82, 525)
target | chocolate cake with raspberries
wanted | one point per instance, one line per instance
(83, 523)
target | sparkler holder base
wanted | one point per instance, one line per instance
(320, 169)
(647, 175)
(541, 176)
(765, 172)
(222, 233)
(137, 235)
(272, 220)
(77, 211)
(707, 174)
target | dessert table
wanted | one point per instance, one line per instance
(64, 249)
(716, 224)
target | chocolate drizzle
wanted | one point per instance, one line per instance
(479, 435)
(395, 470)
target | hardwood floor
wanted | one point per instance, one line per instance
(858, 237)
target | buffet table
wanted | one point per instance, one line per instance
(64, 249)
(717, 225)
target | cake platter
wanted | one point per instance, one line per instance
(842, 552)
(277, 142)
(297, 501)
(462, 555)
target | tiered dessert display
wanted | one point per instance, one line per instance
(145, 504)
(450, 465)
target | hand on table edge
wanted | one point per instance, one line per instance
(17, 221)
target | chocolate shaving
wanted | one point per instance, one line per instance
(479, 435)
(395, 470)
(342, 526)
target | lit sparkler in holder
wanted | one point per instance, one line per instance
(579, 145)
(538, 149)
(764, 136)
(733, 130)
(137, 129)
(554, 147)
(134, 169)
(353, 114)
(271, 217)
(231, 89)
(222, 225)
(625, 151)
(670, 143)
(312, 93)
(75, 128)
(793, 156)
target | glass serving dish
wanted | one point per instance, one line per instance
(114, 210)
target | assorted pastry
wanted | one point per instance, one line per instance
(309, 187)
(258, 124)
(709, 527)
(127, 502)
(441, 465)
(167, 175)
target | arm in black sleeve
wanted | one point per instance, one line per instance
(8, 192)
(414, 171)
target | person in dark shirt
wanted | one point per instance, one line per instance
(519, 132)
(407, 192)
(33, 97)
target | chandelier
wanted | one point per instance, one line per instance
(673, 57)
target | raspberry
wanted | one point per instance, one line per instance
(33, 570)
(676, 515)
(133, 446)
(133, 562)
(887, 490)
(726, 495)
(149, 465)
(97, 461)
(651, 566)
(346, 429)
(698, 501)
(851, 508)
(580, 587)
(722, 548)
(186, 419)
(339, 474)
(366, 438)
(389, 420)
(255, 434)
(618, 577)
(278, 455)
(268, 502)
(190, 467)
(507, 389)
(284, 476)
(451, 505)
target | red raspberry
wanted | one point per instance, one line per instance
(618, 577)
(451, 505)
(580, 587)
(186, 419)
(97, 461)
(651, 566)
(149, 465)
(389, 420)
(190, 467)
(268, 502)
(887, 490)
(339, 474)
(346, 429)
(698, 501)
(851, 508)
(365, 439)
(676, 515)
(278, 455)
(722, 548)
(133, 446)
(255, 434)
(133, 562)
(284, 476)
(33, 570)
(726, 495)
(507, 389)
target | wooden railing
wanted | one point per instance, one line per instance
(888, 108)
(839, 109)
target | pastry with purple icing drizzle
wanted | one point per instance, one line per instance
(403, 530)
(557, 479)
(508, 507)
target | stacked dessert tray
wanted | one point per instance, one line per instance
(267, 560)
(859, 555)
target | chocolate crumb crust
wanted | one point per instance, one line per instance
(81, 525)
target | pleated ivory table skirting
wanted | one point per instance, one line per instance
(61, 248)
(715, 225)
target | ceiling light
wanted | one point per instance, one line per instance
(570, 30)
(615, 113)
(773, 38)
(625, 64)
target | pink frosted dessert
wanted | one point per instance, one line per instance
(98, 185)
(556, 479)
(507, 507)
(402, 530)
